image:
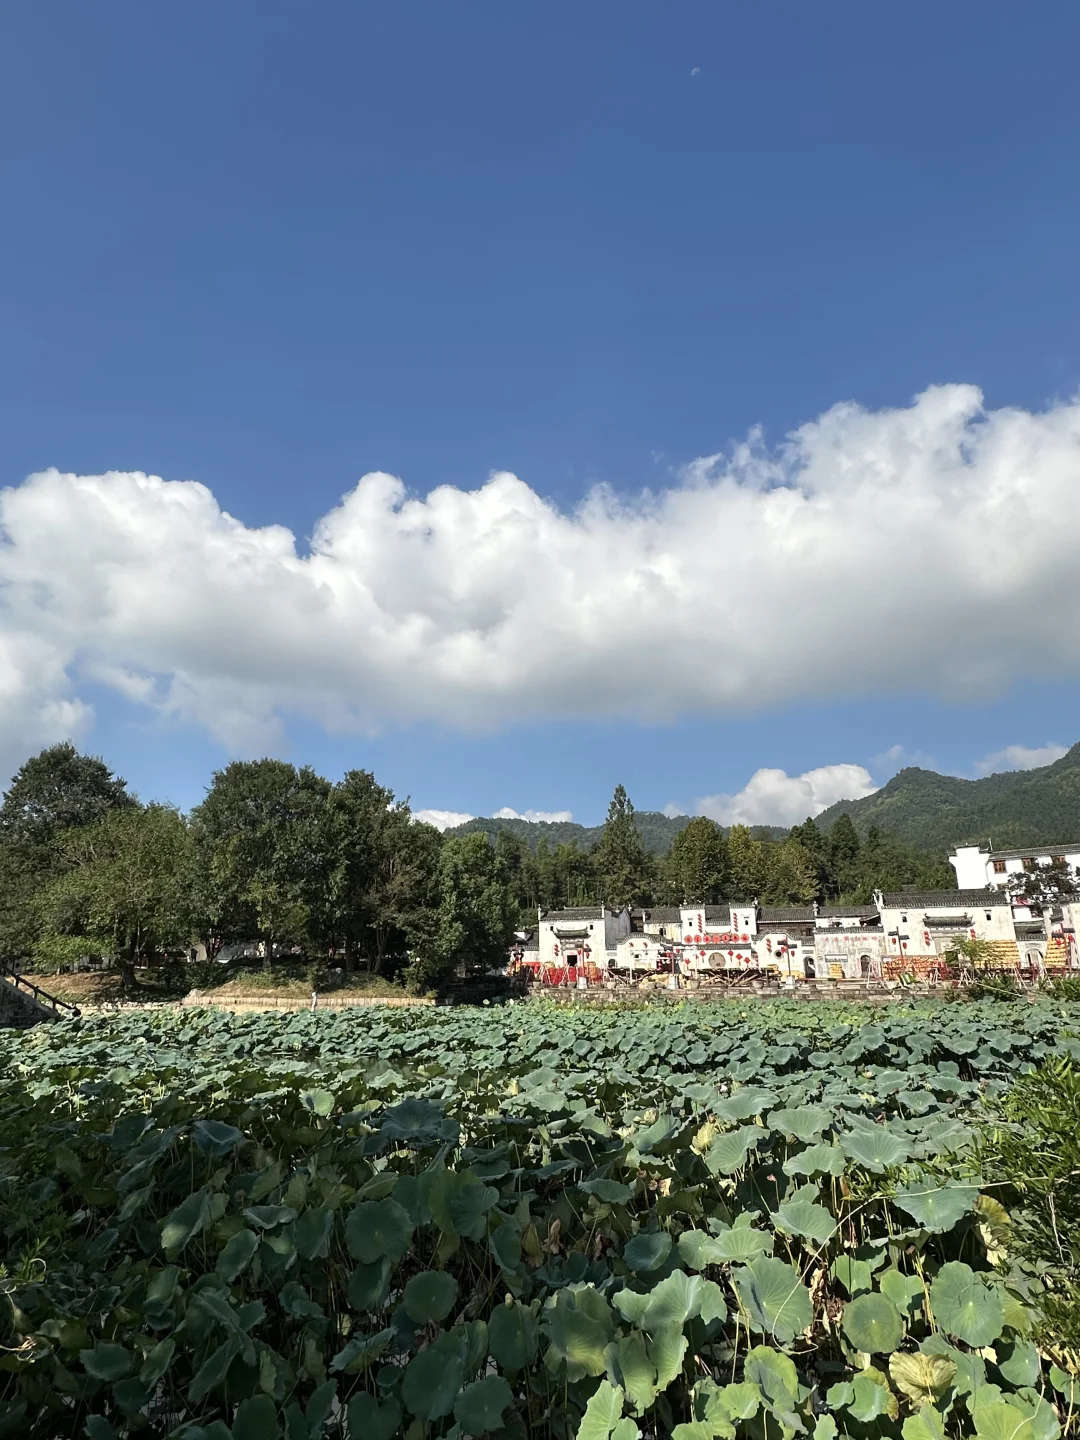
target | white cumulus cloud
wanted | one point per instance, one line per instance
(550, 816)
(442, 819)
(874, 551)
(1021, 757)
(773, 797)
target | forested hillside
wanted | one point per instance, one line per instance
(657, 831)
(935, 812)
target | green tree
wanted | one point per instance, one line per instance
(474, 924)
(380, 876)
(125, 894)
(1042, 885)
(261, 842)
(696, 868)
(51, 794)
(622, 866)
(747, 864)
(790, 875)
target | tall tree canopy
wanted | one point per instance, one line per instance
(622, 865)
(696, 868)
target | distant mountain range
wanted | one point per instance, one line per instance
(657, 831)
(935, 812)
(920, 807)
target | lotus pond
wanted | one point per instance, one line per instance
(703, 1221)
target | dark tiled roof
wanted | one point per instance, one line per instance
(785, 914)
(1067, 847)
(716, 913)
(663, 915)
(847, 912)
(944, 899)
(580, 912)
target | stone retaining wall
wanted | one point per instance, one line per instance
(241, 1003)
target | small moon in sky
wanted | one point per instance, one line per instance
(696, 70)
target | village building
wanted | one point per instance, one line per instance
(926, 924)
(848, 942)
(584, 934)
(978, 867)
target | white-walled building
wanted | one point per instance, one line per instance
(585, 934)
(978, 867)
(923, 925)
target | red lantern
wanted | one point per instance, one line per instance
(745, 938)
(926, 937)
(697, 939)
(972, 934)
(768, 946)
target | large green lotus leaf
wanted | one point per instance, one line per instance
(378, 1230)
(611, 1192)
(430, 1296)
(854, 1275)
(1001, 1421)
(368, 1420)
(213, 1137)
(875, 1148)
(269, 1217)
(237, 1254)
(936, 1207)
(816, 1160)
(965, 1306)
(774, 1297)
(738, 1242)
(872, 1323)
(648, 1140)
(185, 1222)
(578, 1327)
(928, 1424)
(798, 1215)
(512, 1336)
(433, 1378)
(369, 1285)
(872, 1398)
(157, 1361)
(647, 1251)
(735, 1402)
(420, 1121)
(626, 1429)
(772, 1374)
(470, 1206)
(1019, 1362)
(480, 1406)
(746, 1103)
(628, 1365)
(905, 1291)
(313, 1233)
(672, 1301)
(804, 1122)
(106, 1362)
(256, 1419)
(1044, 1419)
(667, 1349)
(713, 1304)
(728, 1152)
(319, 1102)
(602, 1412)
(970, 1369)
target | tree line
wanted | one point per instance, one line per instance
(344, 873)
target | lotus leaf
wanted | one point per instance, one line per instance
(106, 1362)
(728, 1152)
(873, 1324)
(774, 1297)
(1000, 1420)
(256, 1419)
(578, 1327)
(800, 1216)
(854, 1275)
(214, 1137)
(377, 1230)
(666, 1347)
(802, 1123)
(434, 1376)
(936, 1207)
(922, 1378)
(368, 1420)
(512, 1336)
(647, 1251)
(816, 1160)
(1019, 1362)
(319, 1102)
(872, 1398)
(602, 1412)
(237, 1254)
(480, 1406)
(905, 1291)
(927, 1424)
(965, 1305)
(629, 1365)
(875, 1148)
(430, 1296)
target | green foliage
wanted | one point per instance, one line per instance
(622, 865)
(475, 920)
(696, 869)
(506, 1222)
(934, 812)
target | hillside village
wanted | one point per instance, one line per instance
(912, 932)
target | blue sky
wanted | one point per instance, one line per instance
(272, 249)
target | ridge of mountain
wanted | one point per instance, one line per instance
(935, 812)
(657, 830)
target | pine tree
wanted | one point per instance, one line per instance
(622, 866)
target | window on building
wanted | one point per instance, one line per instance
(988, 914)
(1028, 862)
(903, 919)
(1058, 859)
(999, 867)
